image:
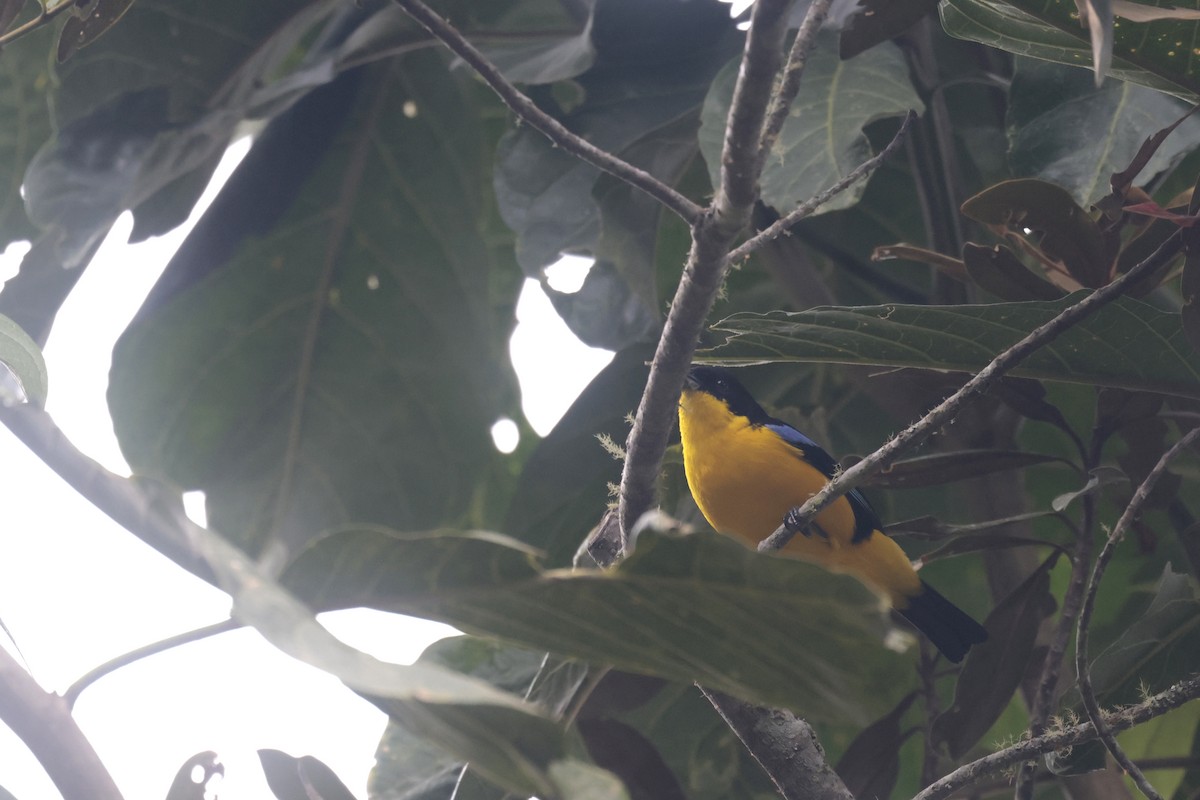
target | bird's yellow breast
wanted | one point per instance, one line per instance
(745, 479)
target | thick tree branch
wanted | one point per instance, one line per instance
(785, 746)
(554, 130)
(1086, 691)
(43, 722)
(707, 264)
(948, 408)
(1156, 706)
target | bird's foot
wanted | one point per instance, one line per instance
(791, 521)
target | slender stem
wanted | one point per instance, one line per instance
(707, 264)
(1123, 719)
(44, 723)
(125, 659)
(947, 409)
(1086, 691)
(806, 208)
(554, 130)
(785, 746)
(1043, 698)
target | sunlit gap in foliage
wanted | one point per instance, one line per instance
(505, 435)
(193, 506)
(552, 365)
(736, 8)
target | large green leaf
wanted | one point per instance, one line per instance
(1155, 54)
(1127, 343)
(695, 608)
(1064, 130)
(823, 138)
(641, 100)
(410, 767)
(350, 364)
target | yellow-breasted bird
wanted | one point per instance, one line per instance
(747, 470)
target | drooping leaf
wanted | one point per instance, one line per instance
(350, 365)
(621, 748)
(1066, 232)
(1125, 344)
(1064, 130)
(823, 138)
(1143, 53)
(996, 269)
(993, 670)
(23, 359)
(871, 764)
(303, 778)
(80, 31)
(578, 780)
(713, 600)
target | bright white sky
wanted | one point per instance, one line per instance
(77, 590)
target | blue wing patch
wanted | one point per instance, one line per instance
(865, 519)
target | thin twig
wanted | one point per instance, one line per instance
(789, 87)
(777, 738)
(554, 130)
(1086, 691)
(75, 689)
(706, 265)
(1043, 698)
(948, 408)
(966, 775)
(44, 723)
(806, 208)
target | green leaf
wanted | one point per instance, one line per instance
(25, 77)
(1168, 736)
(1064, 130)
(713, 603)
(997, 270)
(876, 21)
(578, 780)
(24, 360)
(1126, 344)
(350, 365)
(304, 778)
(871, 764)
(1066, 232)
(994, 670)
(823, 138)
(641, 101)
(1154, 54)
(80, 31)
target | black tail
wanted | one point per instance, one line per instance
(949, 627)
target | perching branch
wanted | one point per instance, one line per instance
(948, 408)
(554, 130)
(1086, 692)
(1128, 717)
(785, 746)
(707, 264)
(43, 722)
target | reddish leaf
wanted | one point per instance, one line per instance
(1153, 209)
(997, 270)
(871, 763)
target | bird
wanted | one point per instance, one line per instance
(747, 471)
